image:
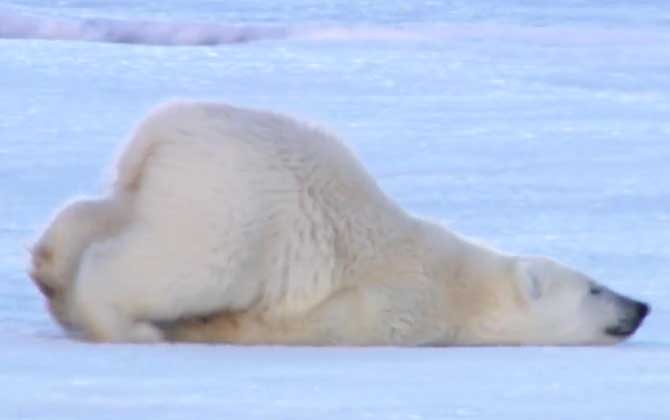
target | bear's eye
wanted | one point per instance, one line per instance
(595, 291)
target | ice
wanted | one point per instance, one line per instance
(541, 129)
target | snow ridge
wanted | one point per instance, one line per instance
(132, 32)
(176, 33)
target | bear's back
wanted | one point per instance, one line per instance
(268, 201)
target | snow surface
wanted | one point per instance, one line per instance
(541, 128)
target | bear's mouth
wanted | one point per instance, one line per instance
(620, 331)
(628, 325)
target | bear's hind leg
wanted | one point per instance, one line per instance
(103, 321)
(103, 318)
(105, 300)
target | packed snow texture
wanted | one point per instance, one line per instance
(540, 128)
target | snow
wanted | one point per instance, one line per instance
(540, 129)
(183, 382)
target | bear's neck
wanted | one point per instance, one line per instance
(457, 258)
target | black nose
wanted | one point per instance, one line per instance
(642, 310)
(627, 325)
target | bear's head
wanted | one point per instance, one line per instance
(551, 304)
(568, 307)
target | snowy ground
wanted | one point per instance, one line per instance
(542, 130)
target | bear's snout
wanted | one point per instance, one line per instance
(634, 313)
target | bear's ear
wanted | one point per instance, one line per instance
(529, 279)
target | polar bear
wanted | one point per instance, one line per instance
(243, 226)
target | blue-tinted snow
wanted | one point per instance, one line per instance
(539, 128)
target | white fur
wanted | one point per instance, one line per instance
(229, 224)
